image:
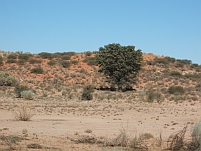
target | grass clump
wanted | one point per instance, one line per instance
(196, 137)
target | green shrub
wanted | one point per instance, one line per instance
(66, 57)
(90, 61)
(87, 92)
(11, 61)
(65, 64)
(51, 62)
(153, 94)
(1, 62)
(176, 90)
(21, 62)
(24, 56)
(88, 53)
(175, 73)
(170, 60)
(184, 61)
(6, 79)
(74, 62)
(33, 61)
(12, 56)
(45, 55)
(70, 53)
(27, 94)
(37, 70)
(20, 88)
(161, 61)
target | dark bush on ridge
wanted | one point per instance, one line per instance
(37, 70)
(176, 90)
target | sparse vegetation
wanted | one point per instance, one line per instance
(60, 91)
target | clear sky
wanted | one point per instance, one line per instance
(162, 27)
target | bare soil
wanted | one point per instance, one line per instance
(56, 125)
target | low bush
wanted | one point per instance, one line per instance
(175, 73)
(27, 94)
(196, 137)
(161, 61)
(34, 61)
(12, 56)
(87, 92)
(90, 61)
(20, 88)
(6, 79)
(1, 60)
(21, 62)
(11, 61)
(52, 62)
(45, 55)
(37, 70)
(88, 53)
(176, 90)
(25, 56)
(66, 57)
(65, 64)
(153, 94)
(75, 62)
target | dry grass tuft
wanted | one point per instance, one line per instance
(23, 113)
(176, 140)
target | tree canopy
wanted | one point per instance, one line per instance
(120, 64)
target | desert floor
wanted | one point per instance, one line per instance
(56, 125)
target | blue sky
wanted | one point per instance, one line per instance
(162, 27)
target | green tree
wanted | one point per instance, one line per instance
(120, 64)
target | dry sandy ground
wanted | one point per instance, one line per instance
(55, 123)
